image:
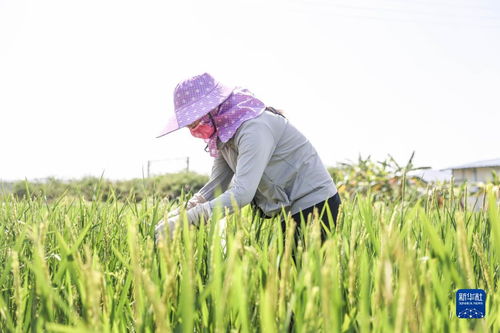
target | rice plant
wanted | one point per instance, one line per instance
(71, 265)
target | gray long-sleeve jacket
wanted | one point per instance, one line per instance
(270, 160)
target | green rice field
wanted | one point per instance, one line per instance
(72, 265)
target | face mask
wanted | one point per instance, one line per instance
(202, 130)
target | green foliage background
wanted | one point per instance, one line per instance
(169, 186)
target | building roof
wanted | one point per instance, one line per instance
(479, 164)
(432, 175)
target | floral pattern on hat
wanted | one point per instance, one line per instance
(195, 97)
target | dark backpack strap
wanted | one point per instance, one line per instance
(273, 110)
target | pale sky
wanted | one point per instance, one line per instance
(85, 86)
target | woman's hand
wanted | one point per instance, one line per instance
(196, 209)
(162, 227)
(194, 201)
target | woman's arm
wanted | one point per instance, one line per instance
(256, 145)
(220, 177)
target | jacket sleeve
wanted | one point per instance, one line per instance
(256, 145)
(220, 177)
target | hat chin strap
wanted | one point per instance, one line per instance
(212, 118)
(213, 122)
(215, 126)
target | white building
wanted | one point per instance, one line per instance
(480, 171)
(474, 173)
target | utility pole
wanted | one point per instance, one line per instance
(149, 167)
(187, 164)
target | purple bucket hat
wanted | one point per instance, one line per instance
(194, 98)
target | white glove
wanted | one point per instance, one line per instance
(163, 227)
(194, 201)
(193, 215)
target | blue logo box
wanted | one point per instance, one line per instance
(471, 303)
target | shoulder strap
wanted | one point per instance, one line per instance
(273, 110)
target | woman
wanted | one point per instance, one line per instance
(259, 156)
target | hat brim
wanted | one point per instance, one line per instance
(172, 125)
(213, 99)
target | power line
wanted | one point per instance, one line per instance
(397, 10)
(412, 2)
(374, 14)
